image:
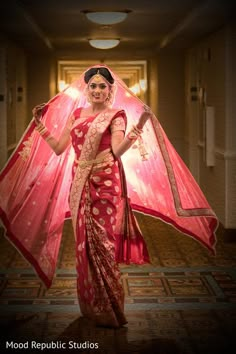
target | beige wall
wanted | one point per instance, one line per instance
(210, 65)
(152, 86)
(14, 105)
(26, 80)
(3, 108)
(170, 105)
(41, 75)
(230, 145)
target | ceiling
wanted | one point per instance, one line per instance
(60, 27)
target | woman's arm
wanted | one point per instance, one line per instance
(121, 143)
(118, 144)
(60, 145)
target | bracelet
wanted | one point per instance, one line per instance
(137, 130)
(134, 133)
(43, 131)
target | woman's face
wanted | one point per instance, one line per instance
(98, 89)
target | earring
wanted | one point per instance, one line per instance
(109, 99)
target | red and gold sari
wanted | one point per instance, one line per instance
(35, 189)
(96, 195)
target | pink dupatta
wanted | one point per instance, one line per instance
(34, 184)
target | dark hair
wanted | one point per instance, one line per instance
(102, 71)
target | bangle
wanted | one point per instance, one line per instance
(134, 133)
(137, 130)
(43, 131)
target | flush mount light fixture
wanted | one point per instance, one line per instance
(106, 17)
(104, 43)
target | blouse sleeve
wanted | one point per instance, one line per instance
(118, 122)
(72, 118)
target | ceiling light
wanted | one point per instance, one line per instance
(106, 18)
(104, 43)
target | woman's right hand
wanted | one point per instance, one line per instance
(146, 114)
(37, 112)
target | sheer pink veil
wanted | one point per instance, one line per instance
(35, 183)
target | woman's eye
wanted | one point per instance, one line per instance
(101, 86)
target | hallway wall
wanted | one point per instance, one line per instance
(14, 96)
(211, 69)
(42, 79)
(170, 98)
(3, 107)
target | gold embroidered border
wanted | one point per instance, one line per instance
(89, 151)
(26, 150)
(170, 172)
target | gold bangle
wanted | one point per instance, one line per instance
(43, 131)
(134, 133)
(39, 126)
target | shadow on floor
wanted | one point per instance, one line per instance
(83, 333)
(83, 337)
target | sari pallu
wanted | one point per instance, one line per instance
(95, 198)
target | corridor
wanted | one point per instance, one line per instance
(178, 58)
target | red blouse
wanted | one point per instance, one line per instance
(118, 123)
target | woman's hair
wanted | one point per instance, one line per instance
(98, 70)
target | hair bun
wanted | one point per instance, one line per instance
(102, 71)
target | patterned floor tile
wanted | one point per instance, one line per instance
(184, 302)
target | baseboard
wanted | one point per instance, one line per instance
(230, 235)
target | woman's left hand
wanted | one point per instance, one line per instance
(38, 111)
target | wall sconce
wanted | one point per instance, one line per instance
(104, 43)
(106, 17)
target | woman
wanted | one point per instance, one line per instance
(35, 188)
(97, 135)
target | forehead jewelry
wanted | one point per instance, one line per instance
(97, 78)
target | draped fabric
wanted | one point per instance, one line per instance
(96, 196)
(35, 184)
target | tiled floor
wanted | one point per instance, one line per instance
(184, 302)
